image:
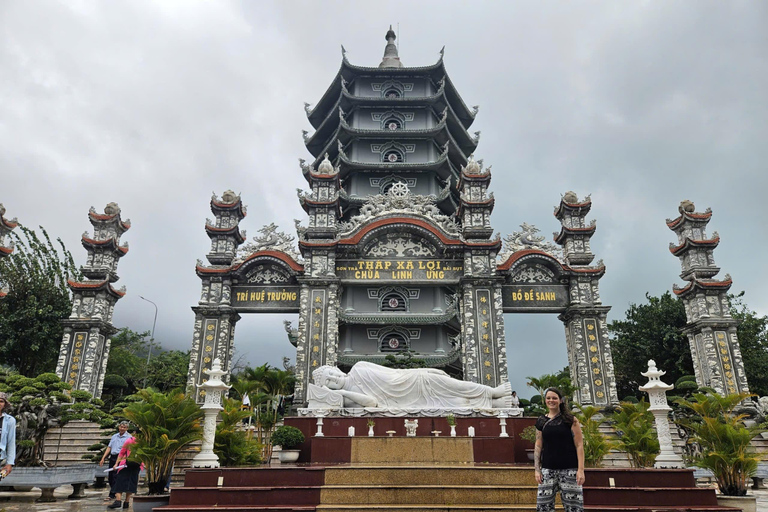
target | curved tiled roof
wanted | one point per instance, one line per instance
(349, 72)
(397, 318)
(432, 360)
(703, 285)
(689, 243)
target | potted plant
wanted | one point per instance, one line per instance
(529, 434)
(289, 439)
(167, 423)
(451, 419)
(725, 443)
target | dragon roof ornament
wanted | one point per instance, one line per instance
(527, 238)
(270, 240)
(400, 200)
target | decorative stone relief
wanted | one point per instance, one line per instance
(535, 273)
(400, 247)
(527, 238)
(400, 200)
(271, 240)
(267, 274)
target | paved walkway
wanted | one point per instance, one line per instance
(94, 501)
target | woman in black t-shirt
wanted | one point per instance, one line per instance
(558, 456)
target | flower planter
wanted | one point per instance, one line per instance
(746, 503)
(287, 456)
(146, 502)
(48, 479)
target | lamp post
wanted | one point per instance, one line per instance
(213, 389)
(151, 340)
(657, 395)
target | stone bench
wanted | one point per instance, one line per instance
(48, 479)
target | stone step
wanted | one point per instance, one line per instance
(431, 508)
(241, 496)
(427, 494)
(448, 476)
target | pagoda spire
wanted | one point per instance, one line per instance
(391, 58)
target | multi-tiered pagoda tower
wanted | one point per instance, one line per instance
(86, 340)
(391, 143)
(711, 330)
(398, 253)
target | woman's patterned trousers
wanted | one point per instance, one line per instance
(563, 480)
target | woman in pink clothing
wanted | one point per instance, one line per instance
(127, 477)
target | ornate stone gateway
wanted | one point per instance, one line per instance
(398, 252)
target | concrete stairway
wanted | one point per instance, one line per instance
(68, 444)
(429, 487)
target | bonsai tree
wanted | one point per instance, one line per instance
(233, 445)
(529, 434)
(723, 437)
(167, 423)
(288, 438)
(40, 404)
(635, 428)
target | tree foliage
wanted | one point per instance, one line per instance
(655, 331)
(596, 444)
(42, 403)
(35, 276)
(267, 388)
(560, 380)
(634, 425)
(167, 423)
(128, 371)
(724, 439)
(650, 331)
(234, 445)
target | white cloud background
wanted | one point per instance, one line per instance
(156, 105)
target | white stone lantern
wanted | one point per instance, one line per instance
(657, 396)
(213, 388)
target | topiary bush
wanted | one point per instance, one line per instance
(40, 404)
(287, 437)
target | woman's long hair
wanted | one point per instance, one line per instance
(565, 413)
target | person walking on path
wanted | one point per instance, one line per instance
(7, 438)
(127, 476)
(558, 456)
(113, 449)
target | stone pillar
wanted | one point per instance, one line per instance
(657, 395)
(212, 390)
(711, 330)
(213, 339)
(586, 330)
(86, 341)
(589, 355)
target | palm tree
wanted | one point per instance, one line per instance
(265, 386)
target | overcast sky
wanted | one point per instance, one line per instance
(155, 105)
